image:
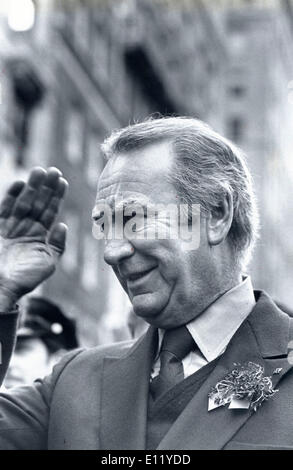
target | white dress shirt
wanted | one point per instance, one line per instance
(213, 329)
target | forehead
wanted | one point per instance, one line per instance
(140, 175)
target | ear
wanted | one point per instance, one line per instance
(219, 221)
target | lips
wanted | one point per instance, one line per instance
(140, 282)
(137, 276)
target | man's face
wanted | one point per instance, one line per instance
(167, 284)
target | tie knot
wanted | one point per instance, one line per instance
(178, 342)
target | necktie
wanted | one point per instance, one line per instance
(176, 344)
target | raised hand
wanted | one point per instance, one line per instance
(30, 244)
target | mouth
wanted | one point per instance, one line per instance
(136, 278)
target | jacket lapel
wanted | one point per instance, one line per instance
(125, 395)
(273, 330)
(263, 338)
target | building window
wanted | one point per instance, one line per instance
(89, 275)
(74, 135)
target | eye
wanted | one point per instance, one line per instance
(138, 223)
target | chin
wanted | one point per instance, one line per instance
(155, 310)
(149, 306)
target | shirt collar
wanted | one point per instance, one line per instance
(213, 328)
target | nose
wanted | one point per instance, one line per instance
(117, 250)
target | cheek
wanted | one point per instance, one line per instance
(185, 268)
(166, 253)
(161, 249)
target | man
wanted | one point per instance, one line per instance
(44, 336)
(163, 391)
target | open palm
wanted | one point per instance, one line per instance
(30, 244)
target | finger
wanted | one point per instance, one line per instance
(24, 202)
(36, 199)
(57, 239)
(47, 218)
(9, 199)
(27, 228)
(37, 177)
(54, 185)
(53, 175)
(30, 225)
(16, 188)
(62, 188)
(7, 207)
(41, 202)
(30, 229)
(49, 215)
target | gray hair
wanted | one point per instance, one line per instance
(207, 167)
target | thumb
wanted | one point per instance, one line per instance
(57, 238)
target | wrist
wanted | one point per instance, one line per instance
(7, 300)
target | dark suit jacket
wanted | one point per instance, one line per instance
(97, 399)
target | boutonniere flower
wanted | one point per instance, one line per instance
(245, 387)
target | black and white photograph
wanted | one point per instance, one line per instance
(146, 228)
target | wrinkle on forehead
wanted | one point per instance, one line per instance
(142, 174)
(118, 184)
(137, 164)
(121, 191)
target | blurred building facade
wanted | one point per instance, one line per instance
(92, 66)
(259, 117)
